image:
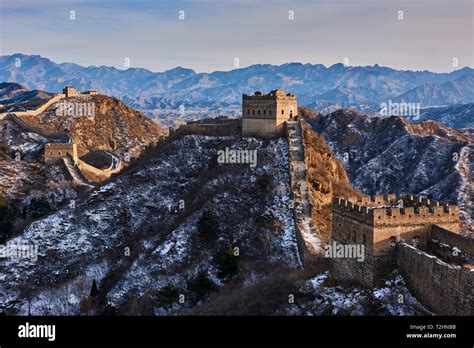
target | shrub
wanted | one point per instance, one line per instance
(5, 151)
(167, 296)
(39, 207)
(226, 263)
(207, 225)
(85, 306)
(109, 310)
(200, 287)
(264, 183)
(6, 228)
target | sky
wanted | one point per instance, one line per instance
(210, 35)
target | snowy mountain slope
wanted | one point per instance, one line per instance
(457, 91)
(454, 116)
(140, 210)
(303, 294)
(391, 155)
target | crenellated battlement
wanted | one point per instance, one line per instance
(396, 209)
(356, 211)
(416, 215)
(54, 146)
(390, 227)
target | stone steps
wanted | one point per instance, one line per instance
(310, 243)
(75, 173)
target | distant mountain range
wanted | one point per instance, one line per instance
(21, 97)
(204, 94)
(457, 116)
(454, 116)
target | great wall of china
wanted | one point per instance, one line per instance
(415, 236)
(398, 231)
(62, 149)
(309, 244)
(418, 237)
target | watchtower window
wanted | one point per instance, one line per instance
(259, 112)
(264, 112)
(282, 112)
(269, 112)
(253, 112)
(248, 112)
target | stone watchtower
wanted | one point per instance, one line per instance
(265, 114)
(70, 91)
(54, 152)
(379, 223)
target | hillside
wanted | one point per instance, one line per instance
(392, 155)
(15, 97)
(327, 178)
(178, 223)
(141, 210)
(29, 189)
(115, 127)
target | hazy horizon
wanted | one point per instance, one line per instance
(209, 72)
(209, 35)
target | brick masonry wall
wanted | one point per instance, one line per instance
(93, 174)
(269, 105)
(353, 272)
(442, 288)
(307, 234)
(261, 127)
(347, 230)
(461, 242)
(225, 128)
(284, 104)
(39, 110)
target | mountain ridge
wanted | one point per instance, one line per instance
(160, 94)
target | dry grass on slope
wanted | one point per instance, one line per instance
(327, 178)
